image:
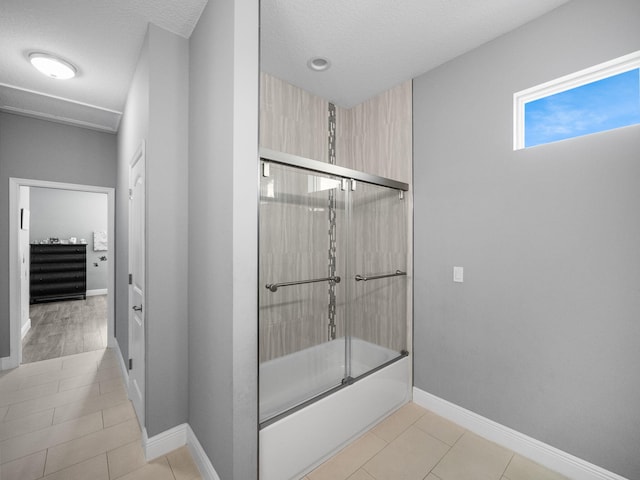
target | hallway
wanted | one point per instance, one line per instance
(69, 418)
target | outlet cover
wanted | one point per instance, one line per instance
(458, 274)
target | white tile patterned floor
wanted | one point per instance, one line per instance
(69, 418)
(415, 444)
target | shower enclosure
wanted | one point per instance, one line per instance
(333, 280)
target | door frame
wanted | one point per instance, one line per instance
(15, 290)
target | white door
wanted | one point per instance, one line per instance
(137, 282)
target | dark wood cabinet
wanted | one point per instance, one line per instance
(58, 272)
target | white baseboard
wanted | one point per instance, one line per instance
(99, 291)
(25, 329)
(546, 455)
(202, 460)
(113, 343)
(7, 363)
(175, 438)
(164, 442)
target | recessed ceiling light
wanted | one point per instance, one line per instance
(318, 64)
(52, 66)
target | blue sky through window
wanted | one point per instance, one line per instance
(605, 104)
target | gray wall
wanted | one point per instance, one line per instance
(65, 213)
(157, 111)
(42, 150)
(223, 202)
(167, 229)
(543, 335)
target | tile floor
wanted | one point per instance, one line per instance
(69, 418)
(415, 444)
(65, 328)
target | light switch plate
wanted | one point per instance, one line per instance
(458, 274)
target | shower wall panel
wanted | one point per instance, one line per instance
(294, 246)
(373, 137)
(378, 308)
(376, 135)
(292, 120)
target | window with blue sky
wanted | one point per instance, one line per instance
(599, 98)
(605, 104)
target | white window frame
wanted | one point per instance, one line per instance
(588, 75)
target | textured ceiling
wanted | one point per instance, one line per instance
(376, 44)
(372, 44)
(101, 37)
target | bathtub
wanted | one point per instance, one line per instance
(295, 444)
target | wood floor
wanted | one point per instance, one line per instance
(65, 328)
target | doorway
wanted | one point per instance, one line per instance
(65, 272)
(19, 241)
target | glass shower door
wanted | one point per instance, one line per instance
(300, 215)
(377, 283)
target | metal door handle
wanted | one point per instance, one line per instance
(274, 286)
(137, 309)
(364, 278)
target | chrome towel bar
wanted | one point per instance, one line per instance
(274, 286)
(364, 278)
